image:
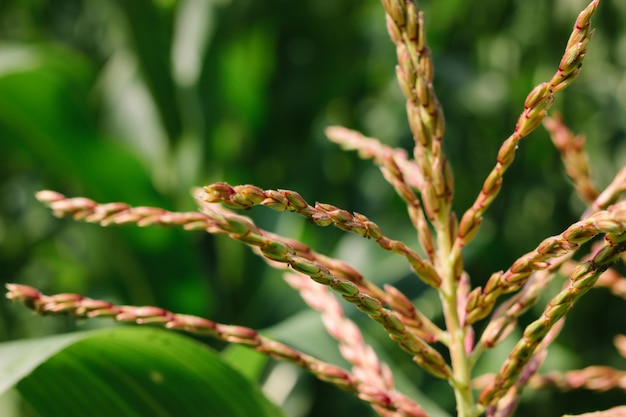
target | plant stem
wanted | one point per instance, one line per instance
(461, 367)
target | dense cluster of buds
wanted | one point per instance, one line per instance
(425, 183)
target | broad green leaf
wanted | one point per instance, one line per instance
(248, 362)
(18, 359)
(127, 371)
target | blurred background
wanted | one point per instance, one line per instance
(140, 101)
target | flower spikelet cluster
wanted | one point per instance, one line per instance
(423, 179)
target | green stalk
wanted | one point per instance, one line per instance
(461, 368)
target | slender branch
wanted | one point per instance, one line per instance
(504, 319)
(506, 406)
(404, 175)
(370, 148)
(611, 194)
(594, 378)
(611, 279)
(414, 72)
(82, 307)
(351, 344)
(365, 363)
(581, 280)
(620, 344)
(575, 159)
(405, 24)
(415, 321)
(535, 107)
(246, 196)
(611, 221)
(611, 412)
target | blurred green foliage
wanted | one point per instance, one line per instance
(139, 101)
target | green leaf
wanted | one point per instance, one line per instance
(127, 371)
(248, 362)
(149, 28)
(18, 359)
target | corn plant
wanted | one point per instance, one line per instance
(424, 181)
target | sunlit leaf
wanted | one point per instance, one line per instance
(127, 371)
